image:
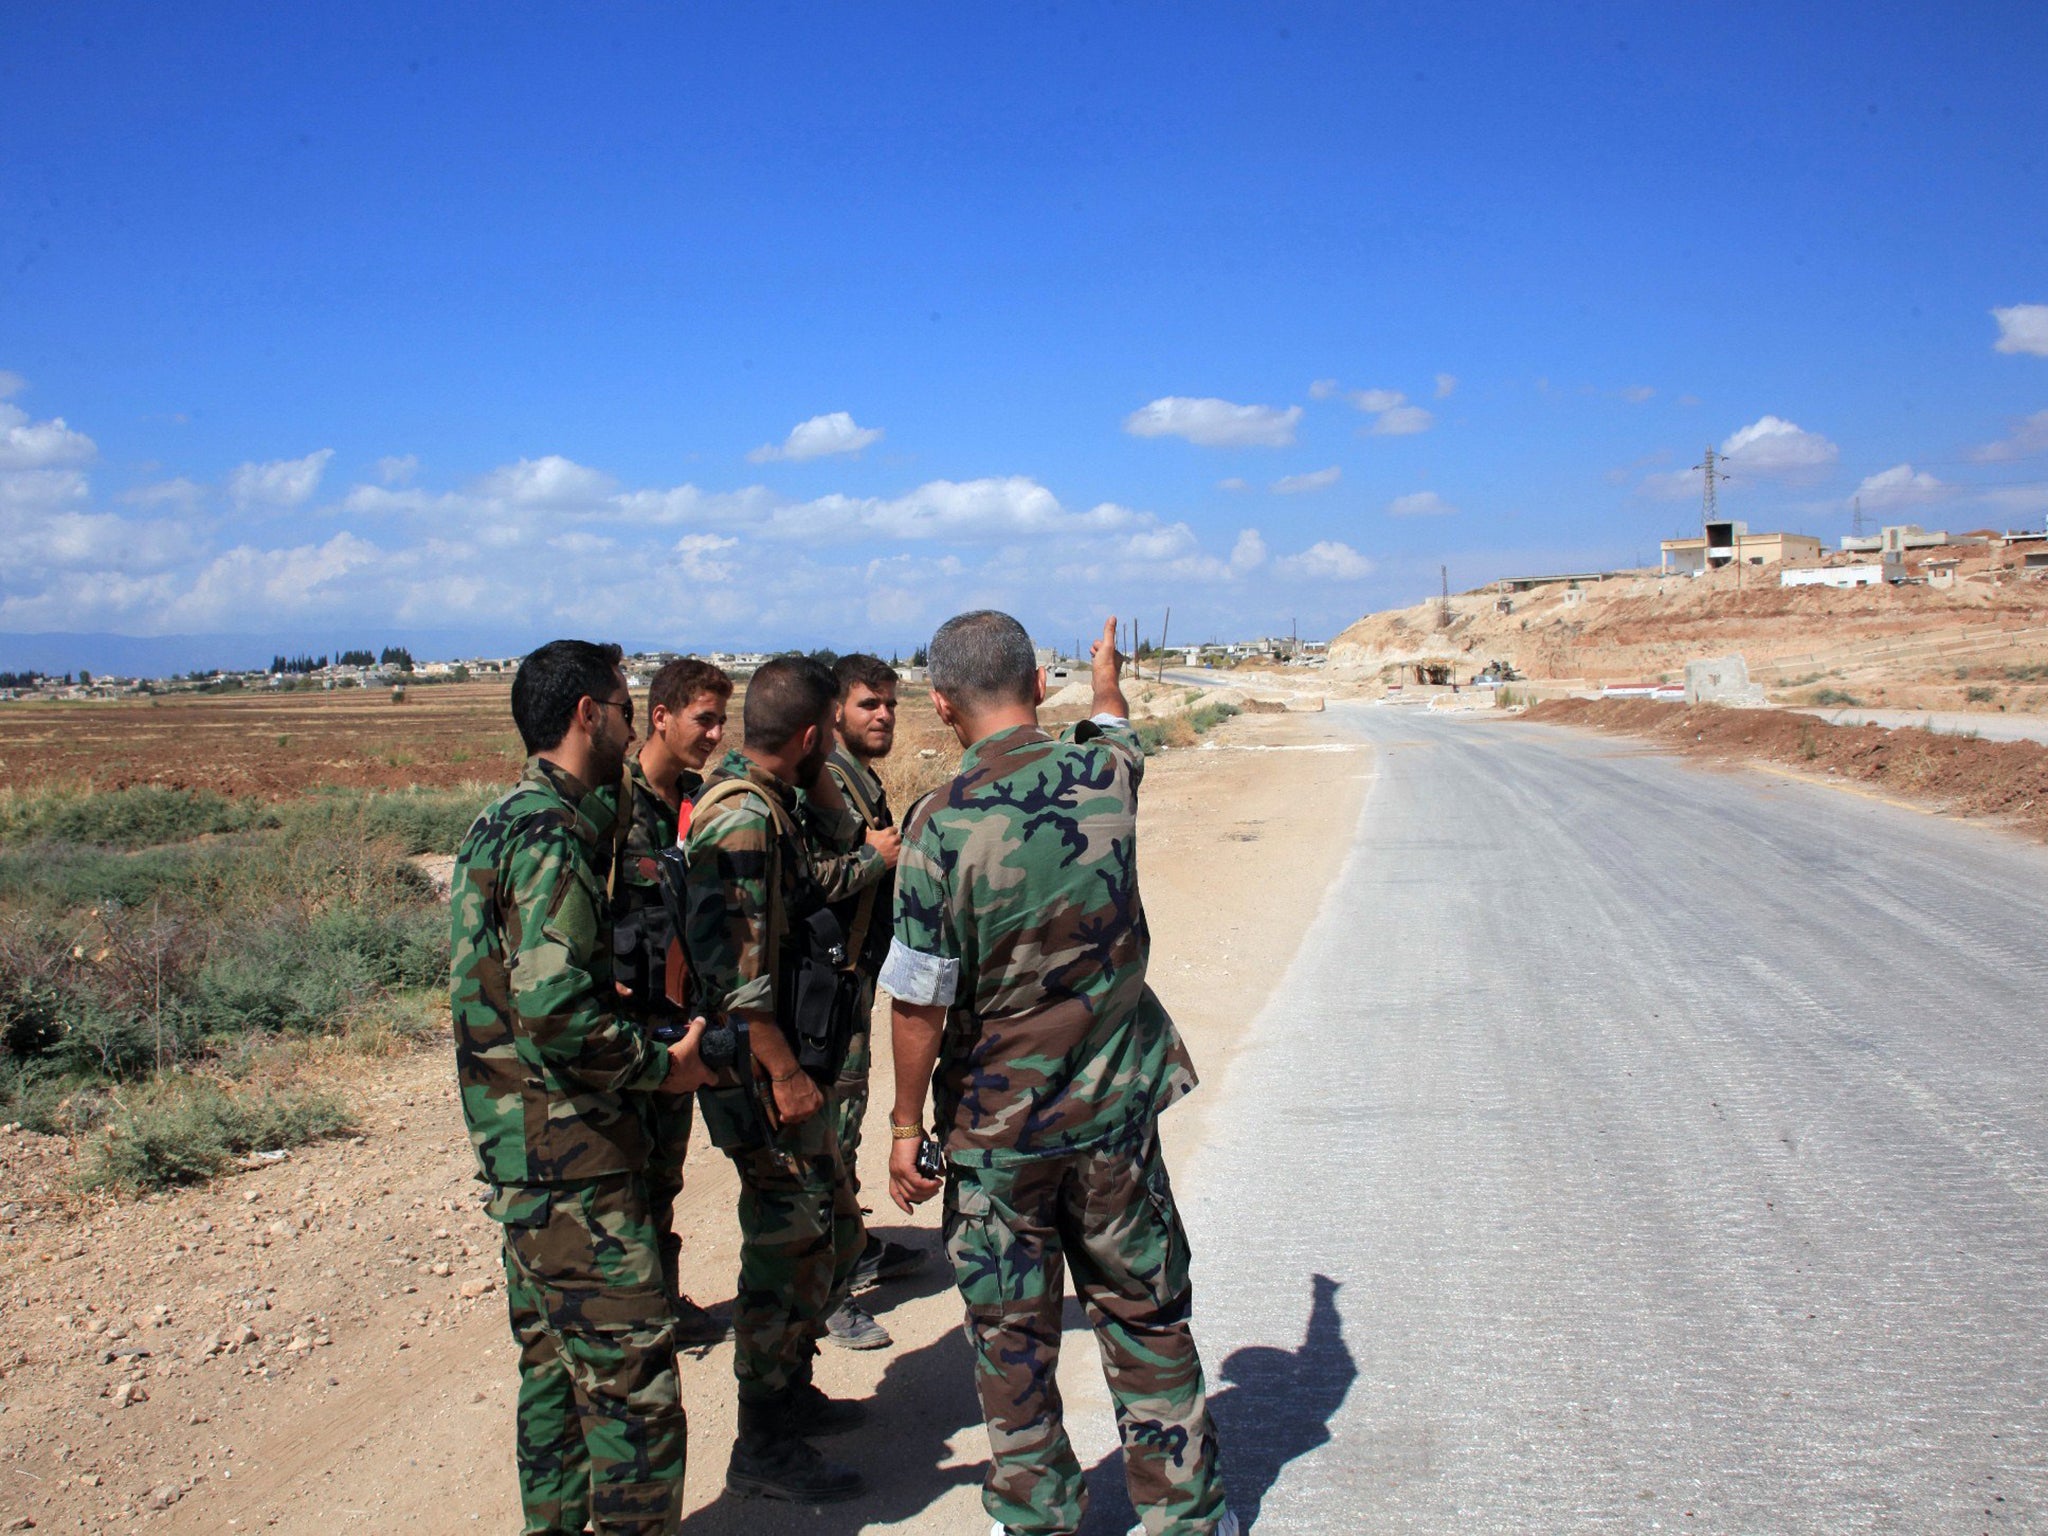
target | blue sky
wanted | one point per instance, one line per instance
(810, 324)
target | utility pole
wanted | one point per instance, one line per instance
(1710, 472)
(1164, 626)
(1443, 609)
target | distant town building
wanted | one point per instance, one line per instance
(1833, 576)
(1728, 542)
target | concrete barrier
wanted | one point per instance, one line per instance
(1724, 680)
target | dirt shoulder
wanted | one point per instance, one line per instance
(318, 1344)
(2005, 781)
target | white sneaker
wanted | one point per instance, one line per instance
(1227, 1526)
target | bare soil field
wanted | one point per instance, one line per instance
(2005, 781)
(270, 745)
(317, 1344)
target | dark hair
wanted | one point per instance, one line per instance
(681, 681)
(783, 697)
(982, 659)
(862, 670)
(551, 680)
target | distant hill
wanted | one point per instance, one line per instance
(1982, 643)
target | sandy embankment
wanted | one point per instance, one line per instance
(313, 1364)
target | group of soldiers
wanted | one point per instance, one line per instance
(638, 932)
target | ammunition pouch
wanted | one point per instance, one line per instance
(819, 994)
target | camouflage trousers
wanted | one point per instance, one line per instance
(799, 1236)
(1110, 1217)
(673, 1116)
(601, 1431)
(847, 1104)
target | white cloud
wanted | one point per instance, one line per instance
(1234, 483)
(1403, 421)
(11, 384)
(95, 541)
(1315, 480)
(1322, 389)
(1419, 504)
(1773, 447)
(1671, 485)
(818, 438)
(2028, 437)
(1249, 552)
(1392, 415)
(279, 483)
(398, 469)
(1373, 401)
(1212, 423)
(1325, 560)
(26, 444)
(40, 488)
(2023, 328)
(1170, 543)
(1445, 384)
(699, 552)
(583, 544)
(180, 493)
(1901, 486)
(1636, 394)
(550, 481)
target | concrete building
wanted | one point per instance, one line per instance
(1725, 543)
(1833, 576)
(1894, 540)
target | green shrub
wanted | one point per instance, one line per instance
(184, 1130)
(1209, 716)
(140, 817)
(415, 820)
(308, 975)
(1980, 695)
(1835, 696)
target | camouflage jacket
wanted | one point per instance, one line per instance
(1017, 905)
(729, 855)
(847, 877)
(641, 921)
(550, 1074)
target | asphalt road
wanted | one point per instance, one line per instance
(1671, 1146)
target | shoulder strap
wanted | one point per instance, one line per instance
(622, 830)
(854, 781)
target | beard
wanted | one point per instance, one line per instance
(607, 762)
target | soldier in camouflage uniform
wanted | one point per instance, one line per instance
(751, 857)
(1018, 973)
(686, 708)
(555, 1086)
(863, 893)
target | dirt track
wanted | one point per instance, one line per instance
(375, 1393)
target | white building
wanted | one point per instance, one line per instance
(1833, 576)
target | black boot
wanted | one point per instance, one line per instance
(769, 1460)
(811, 1412)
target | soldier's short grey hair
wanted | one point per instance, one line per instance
(981, 660)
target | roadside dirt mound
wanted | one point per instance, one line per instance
(1960, 775)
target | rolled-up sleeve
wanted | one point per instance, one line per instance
(910, 976)
(923, 966)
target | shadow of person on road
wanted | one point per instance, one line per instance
(924, 1401)
(1277, 1408)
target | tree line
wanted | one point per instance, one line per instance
(391, 656)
